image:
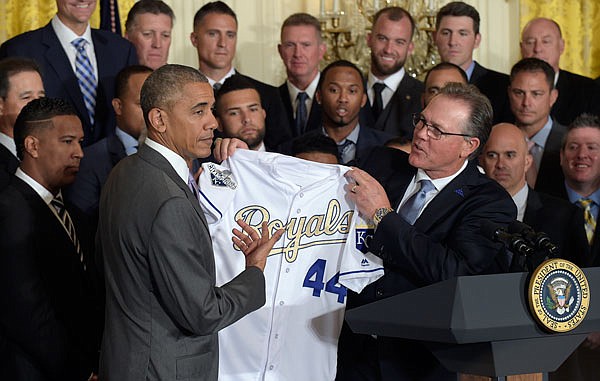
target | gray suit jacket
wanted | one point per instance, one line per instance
(163, 310)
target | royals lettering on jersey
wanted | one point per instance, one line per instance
(323, 251)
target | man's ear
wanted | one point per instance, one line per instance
(1, 106)
(32, 146)
(471, 146)
(158, 120)
(116, 103)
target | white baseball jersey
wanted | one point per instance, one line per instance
(294, 335)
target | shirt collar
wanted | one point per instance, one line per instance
(574, 196)
(542, 135)
(520, 200)
(392, 82)
(470, 69)
(129, 142)
(9, 143)
(352, 136)
(37, 187)
(440, 183)
(66, 35)
(222, 80)
(176, 161)
(310, 89)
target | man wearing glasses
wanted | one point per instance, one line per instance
(428, 230)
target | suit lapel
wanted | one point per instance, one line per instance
(115, 148)
(533, 205)
(287, 103)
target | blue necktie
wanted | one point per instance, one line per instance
(301, 113)
(193, 185)
(343, 151)
(85, 76)
(412, 207)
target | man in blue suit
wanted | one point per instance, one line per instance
(70, 64)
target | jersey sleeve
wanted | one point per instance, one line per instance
(358, 267)
(217, 189)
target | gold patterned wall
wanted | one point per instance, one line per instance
(580, 24)
(18, 16)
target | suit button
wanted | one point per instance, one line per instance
(379, 292)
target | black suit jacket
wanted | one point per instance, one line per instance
(48, 325)
(576, 94)
(113, 53)
(444, 242)
(8, 165)
(277, 128)
(550, 178)
(314, 117)
(396, 117)
(561, 220)
(493, 85)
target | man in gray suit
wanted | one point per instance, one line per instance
(163, 310)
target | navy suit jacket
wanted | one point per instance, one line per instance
(8, 165)
(493, 85)
(396, 117)
(48, 315)
(550, 178)
(113, 53)
(314, 117)
(576, 94)
(444, 242)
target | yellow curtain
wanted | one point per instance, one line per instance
(579, 21)
(18, 16)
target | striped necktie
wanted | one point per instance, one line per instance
(65, 218)
(85, 76)
(590, 221)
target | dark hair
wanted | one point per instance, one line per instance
(313, 142)
(398, 140)
(395, 14)
(14, 65)
(213, 7)
(533, 65)
(479, 122)
(457, 9)
(302, 19)
(447, 66)
(583, 120)
(38, 110)
(341, 63)
(156, 7)
(163, 87)
(122, 79)
(234, 83)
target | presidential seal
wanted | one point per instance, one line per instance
(559, 295)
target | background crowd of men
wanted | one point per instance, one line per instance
(82, 248)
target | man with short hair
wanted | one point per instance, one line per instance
(239, 112)
(301, 49)
(163, 310)
(456, 36)
(393, 95)
(215, 39)
(79, 64)
(319, 148)
(506, 159)
(428, 230)
(20, 82)
(148, 28)
(542, 38)
(532, 94)
(49, 315)
(440, 75)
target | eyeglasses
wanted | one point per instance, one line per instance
(432, 131)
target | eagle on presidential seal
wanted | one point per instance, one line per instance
(560, 291)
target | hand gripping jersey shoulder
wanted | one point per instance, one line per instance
(307, 272)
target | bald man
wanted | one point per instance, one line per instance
(542, 38)
(505, 158)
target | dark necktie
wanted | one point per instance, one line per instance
(412, 207)
(378, 99)
(59, 205)
(301, 113)
(85, 77)
(216, 87)
(343, 148)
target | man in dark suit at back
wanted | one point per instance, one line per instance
(20, 82)
(393, 95)
(48, 312)
(79, 64)
(456, 36)
(301, 49)
(506, 159)
(532, 94)
(215, 39)
(427, 208)
(542, 38)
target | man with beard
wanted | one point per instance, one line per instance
(240, 113)
(393, 95)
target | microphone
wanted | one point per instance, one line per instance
(539, 240)
(514, 242)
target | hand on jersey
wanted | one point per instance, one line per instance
(226, 147)
(365, 192)
(255, 247)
